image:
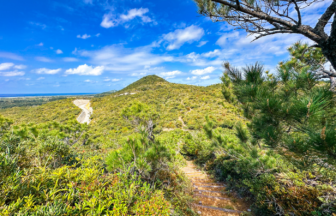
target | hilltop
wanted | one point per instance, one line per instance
(145, 82)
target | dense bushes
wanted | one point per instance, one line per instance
(154, 160)
(283, 158)
(52, 169)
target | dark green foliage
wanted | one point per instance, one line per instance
(284, 157)
(141, 153)
(242, 133)
(295, 104)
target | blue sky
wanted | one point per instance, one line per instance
(71, 46)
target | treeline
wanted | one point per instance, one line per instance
(27, 101)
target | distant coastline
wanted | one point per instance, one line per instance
(43, 95)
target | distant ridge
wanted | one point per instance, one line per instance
(145, 81)
(104, 93)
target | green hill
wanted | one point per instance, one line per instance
(177, 110)
(179, 106)
(128, 158)
(145, 82)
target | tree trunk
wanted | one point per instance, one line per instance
(329, 50)
(329, 46)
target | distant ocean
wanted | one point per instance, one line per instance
(43, 95)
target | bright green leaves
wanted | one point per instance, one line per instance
(139, 112)
(5, 124)
(303, 56)
(227, 90)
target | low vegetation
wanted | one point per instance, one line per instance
(270, 137)
(27, 101)
(283, 157)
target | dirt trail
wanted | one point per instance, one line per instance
(211, 197)
(84, 117)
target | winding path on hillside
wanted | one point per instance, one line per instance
(211, 198)
(84, 117)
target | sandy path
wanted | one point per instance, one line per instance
(211, 197)
(84, 117)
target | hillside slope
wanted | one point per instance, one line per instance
(114, 150)
(178, 105)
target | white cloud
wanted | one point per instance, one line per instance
(70, 59)
(12, 73)
(47, 71)
(88, 1)
(212, 54)
(43, 59)
(59, 51)
(171, 74)
(222, 41)
(24, 78)
(9, 65)
(203, 71)
(112, 80)
(192, 78)
(40, 78)
(86, 70)
(6, 66)
(110, 20)
(118, 59)
(181, 36)
(138, 74)
(40, 44)
(133, 13)
(11, 56)
(97, 35)
(202, 43)
(20, 67)
(84, 36)
(74, 51)
(201, 60)
(205, 77)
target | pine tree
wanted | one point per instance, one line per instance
(292, 110)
